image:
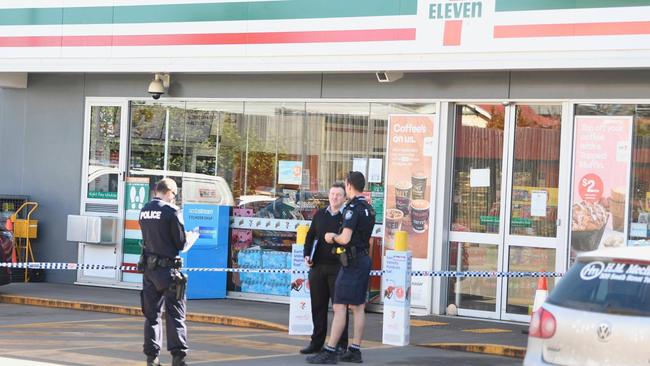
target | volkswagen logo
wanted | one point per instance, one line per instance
(604, 331)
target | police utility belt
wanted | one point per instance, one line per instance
(347, 255)
(151, 262)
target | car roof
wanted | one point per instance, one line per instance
(631, 253)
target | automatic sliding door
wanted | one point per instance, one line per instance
(476, 220)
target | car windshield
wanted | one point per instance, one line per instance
(605, 286)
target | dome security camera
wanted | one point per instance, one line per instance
(158, 86)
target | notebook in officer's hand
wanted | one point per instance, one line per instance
(313, 250)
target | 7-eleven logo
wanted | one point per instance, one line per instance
(453, 12)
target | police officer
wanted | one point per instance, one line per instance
(324, 267)
(163, 236)
(352, 280)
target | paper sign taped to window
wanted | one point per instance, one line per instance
(479, 177)
(538, 200)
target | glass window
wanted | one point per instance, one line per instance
(521, 291)
(638, 206)
(104, 152)
(639, 210)
(338, 133)
(478, 153)
(473, 293)
(157, 142)
(535, 171)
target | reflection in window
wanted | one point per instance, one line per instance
(104, 152)
(473, 293)
(535, 172)
(157, 136)
(338, 133)
(478, 152)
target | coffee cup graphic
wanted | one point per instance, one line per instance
(394, 219)
(419, 215)
(403, 196)
(419, 183)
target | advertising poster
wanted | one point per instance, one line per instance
(300, 322)
(407, 206)
(410, 154)
(290, 172)
(601, 180)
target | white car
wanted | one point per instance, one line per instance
(598, 314)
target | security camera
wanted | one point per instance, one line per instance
(388, 76)
(158, 86)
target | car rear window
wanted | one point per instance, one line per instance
(605, 286)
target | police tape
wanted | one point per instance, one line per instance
(77, 266)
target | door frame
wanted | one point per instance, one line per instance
(559, 242)
(89, 103)
(503, 239)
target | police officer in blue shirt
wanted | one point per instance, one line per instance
(163, 237)
(351, 286)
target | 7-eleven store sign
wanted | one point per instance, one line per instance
(453, 13)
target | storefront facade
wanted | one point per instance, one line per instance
(533, 150)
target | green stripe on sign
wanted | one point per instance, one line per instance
(98, 15)
(31, 16)
(132, 246)
(212, 12)
(519, 5)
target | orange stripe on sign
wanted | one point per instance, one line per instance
(132, 225)
(452, 32)
(571, 29)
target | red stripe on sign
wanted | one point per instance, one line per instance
(365, 35)
(573, 29)
(452, 32)
(47, 41)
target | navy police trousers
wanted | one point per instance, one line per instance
(155, 293)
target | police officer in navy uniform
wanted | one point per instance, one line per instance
(164, 237)
(351, 287)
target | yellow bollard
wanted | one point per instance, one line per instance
(301, 234)
(401, 242)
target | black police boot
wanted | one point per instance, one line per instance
(179, 360)
(351, 355)
(311, 348)
(323, 357)
(153, 361)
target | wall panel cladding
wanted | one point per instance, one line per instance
(52, 152)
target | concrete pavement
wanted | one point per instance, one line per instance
(454, 333)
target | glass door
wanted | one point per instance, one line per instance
(102, 191)
(536, 201)
(508, 209)
(476, 234)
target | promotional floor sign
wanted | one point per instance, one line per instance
(601, 179)
(300, 322)
(410, 154)
(397, 298)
